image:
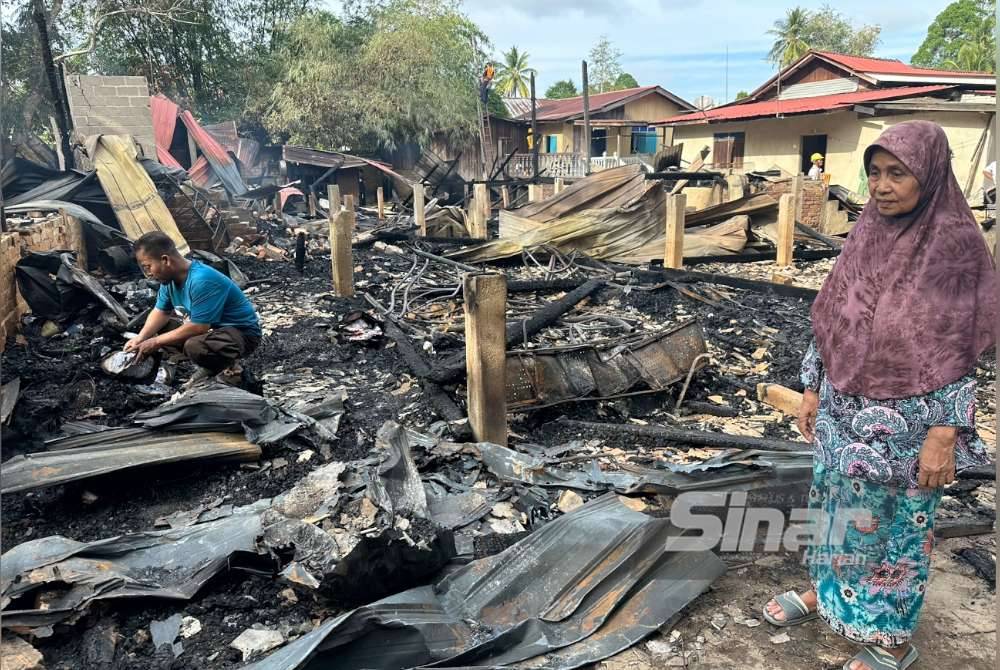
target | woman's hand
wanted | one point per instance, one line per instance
(937, 457)
(807, 414)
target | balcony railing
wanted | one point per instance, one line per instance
(569, 164)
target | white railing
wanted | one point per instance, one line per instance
(549, 165)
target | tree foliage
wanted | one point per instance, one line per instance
(742, 94)
(404, 70)
(960, 38)
(625, 80)
(26, 106)
(564, 88)
(513, 76)
(822, 30)
(603, 66)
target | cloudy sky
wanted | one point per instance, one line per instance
(679, 44)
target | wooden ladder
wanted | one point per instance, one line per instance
(485, 139)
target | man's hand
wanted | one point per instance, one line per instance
(148, 347)
(937, 457)
(134, 343)
(807, 414)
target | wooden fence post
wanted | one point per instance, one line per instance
(673, 253)
(419, 215)
(786, 229)
(341, 253)
(333, 195)
(485, 297)
(380, 194)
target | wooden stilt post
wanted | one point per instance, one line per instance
(311, 204)
(277, 203)
(786, 229)
(341, 255)
(349, 202)
(380, 194)
(505, 196)
(673, 253)
(419, 215)
(482, 193)
(534, 192)
(798, 186)
(485, 353)
(477, 222)
(559, 185)
(734, 187)
(333, 195)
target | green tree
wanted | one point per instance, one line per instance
(828, 30)
(964, 24)
(514, 75)
(789, 37)
(564, 88)
(742, 94)
(401, 72)
(495, 106)
(823, 30)
(625, 80)
(603, 66)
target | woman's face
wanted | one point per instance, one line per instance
(895, 189)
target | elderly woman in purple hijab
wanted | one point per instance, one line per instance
(890, 398)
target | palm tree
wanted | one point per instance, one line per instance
(513, 74)
(977, 54)
(789, 44)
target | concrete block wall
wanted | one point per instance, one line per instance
(55, 232)
(109, 105)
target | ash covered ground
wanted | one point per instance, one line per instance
(305, 348)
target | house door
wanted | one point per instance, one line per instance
(811, 144)
(551, 144)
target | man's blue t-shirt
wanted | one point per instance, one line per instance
(210, 298)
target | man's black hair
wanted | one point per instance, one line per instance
(155, 244)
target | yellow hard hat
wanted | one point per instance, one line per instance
(816, 157)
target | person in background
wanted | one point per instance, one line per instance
(990, 183)
(219, 324)
(890, 395)
(816, 171)
(485, 82)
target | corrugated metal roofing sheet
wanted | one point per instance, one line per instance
(892, 66)
(164, 113)
(553, 110)
(133, 196)
(221, 162)
(735, 112)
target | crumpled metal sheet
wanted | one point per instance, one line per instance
(544, 377)
(170, 564)
(584, 586)
(734, 470)
(217, 406)
(380, 557)
(62, 297)
(9, 393)
(94, 454)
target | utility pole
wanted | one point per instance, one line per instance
(534, 130)
(586, 116)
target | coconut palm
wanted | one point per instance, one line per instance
(976, 55)
(789, 43)
(514, 74)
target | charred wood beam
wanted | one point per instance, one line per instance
(453, 368)
(799, 255)
(531, 285)
(688, 437)
(981, 560)
(683, 276)
(831, 242)
(962, 528)
(439, 399)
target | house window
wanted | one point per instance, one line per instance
(728, 150)
(598, 141)
(551, 144)
(643, 140)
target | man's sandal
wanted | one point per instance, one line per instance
(795, 610)
(877, 658)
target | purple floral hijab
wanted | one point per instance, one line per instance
(912, 301)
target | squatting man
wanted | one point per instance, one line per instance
(219, 325)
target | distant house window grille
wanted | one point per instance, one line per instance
(598, 141)
(643, 140)
(728, 150)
